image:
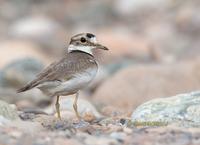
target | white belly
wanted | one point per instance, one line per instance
(79, 81)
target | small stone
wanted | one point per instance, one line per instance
(119, 136)
(89, 116)
(30, 114)
(122, 121)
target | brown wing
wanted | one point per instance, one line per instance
(63, 70)
(68, 67)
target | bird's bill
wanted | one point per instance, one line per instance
(99, 46)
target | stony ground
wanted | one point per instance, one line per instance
(146, 90)
(64, 132)
(36, 127)
(61, 133)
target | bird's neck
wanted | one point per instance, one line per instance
(86, 49)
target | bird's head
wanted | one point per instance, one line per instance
(84, 42)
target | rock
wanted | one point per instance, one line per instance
(123, 46)
(182, 110)
(41, 30)
(34, 27)
(32, 97)
(30, 114)
(23, 49)
(20, 72)
(7, 112)
(119, 136)
(134, 85)
(17, 74)
(130, 6)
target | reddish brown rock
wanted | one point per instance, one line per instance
(123, 46)
(23, 49)
(134, 85)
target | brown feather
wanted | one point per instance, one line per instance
(71, 64)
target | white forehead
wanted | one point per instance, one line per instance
(93, 40)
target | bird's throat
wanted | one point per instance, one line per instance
(86, 49)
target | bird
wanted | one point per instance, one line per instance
(71, 73)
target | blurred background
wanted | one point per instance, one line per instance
(154, 48)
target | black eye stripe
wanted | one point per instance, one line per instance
(89, 35)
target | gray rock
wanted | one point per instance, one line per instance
(41, 30)
(19, 72)
(31, 98)
(7, 112)
(33, 27)
(182, 110)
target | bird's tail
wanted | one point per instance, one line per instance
(27, 87)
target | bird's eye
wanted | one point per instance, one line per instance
(83, 40)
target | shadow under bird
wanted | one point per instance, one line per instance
(71, 73)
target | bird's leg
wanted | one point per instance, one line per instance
(58, 107)
(75, 106)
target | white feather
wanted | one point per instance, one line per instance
(94, 40)
(87, 49)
